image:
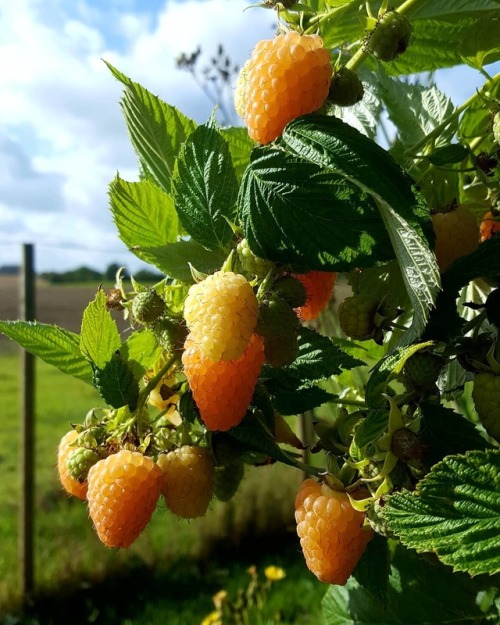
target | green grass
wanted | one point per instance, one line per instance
(171, 554)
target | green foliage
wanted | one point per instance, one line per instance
(57, 347)
(326, 196)
(404, 603)
(205, 187)
(157, 129)
(454, 512)
(145, 217)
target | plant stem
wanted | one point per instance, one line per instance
(348, 402)
(153, 382)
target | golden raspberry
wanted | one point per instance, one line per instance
(221, 313)
(188, 480)
(70, 485)
(222, 390)
(457, 234)
(319, 288)
(331, 532)
(286, 77)
(490, 226)
(122, 494)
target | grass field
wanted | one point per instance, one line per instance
(171, 572)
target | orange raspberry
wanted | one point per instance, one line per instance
(489, 226)
(221, 313)
(457, 234)
(285, 77)
(123, 491)
(188, 480)
(223, 390)
(319, 288)
(70, 485)
(331, 532)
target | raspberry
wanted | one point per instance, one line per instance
(421, 371)
(240, 90)
(188, 480)
(496, 127)
(346, 88)
(223, 390)
(122, 495)
(357, 316)
(278, 325)
(457, 234)
(227, 480)
(147, 306)
(406, 445)
(489, 226)
(221, 313)
(287, 76)
(390, 37)
(79, 462)
(291, 290)
(66, 447)
(251, 264)
(319, 288)
(170, 334)
(331, 532)
(486, 396)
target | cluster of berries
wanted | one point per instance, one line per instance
(123, 487)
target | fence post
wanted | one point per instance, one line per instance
(27, 440)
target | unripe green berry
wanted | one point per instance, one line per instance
(346, 88)
(486, 396)
(278, 325)
(357, 316)
(291, 290)
(252, 265)
(147, 307)
(390, 37)
(80, 461)
(170, 333)
(421, 371)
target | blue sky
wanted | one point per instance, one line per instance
(63, 138)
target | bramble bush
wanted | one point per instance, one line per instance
(253, 227)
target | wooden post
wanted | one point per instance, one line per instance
(27, 446)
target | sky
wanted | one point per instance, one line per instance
(62, 135)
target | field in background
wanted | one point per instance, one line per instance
(68, 554)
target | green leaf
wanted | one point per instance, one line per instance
(99, 338)
(255, 436)
(141, 351)
(117, 384)
(415, 110)
(205, 187)
(448, 154)
(444, 432)
(454, 512)
(293, 211)
(240, 147)
(330, 143)
(144, 215)
(300, 400)
(157, 129)
(55, 346)
(416, 592)
(174, 259)
(373, 570)
(445, 322)
(371, 428)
